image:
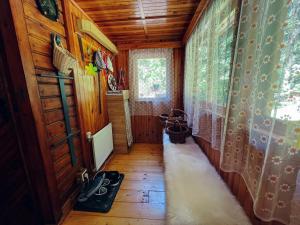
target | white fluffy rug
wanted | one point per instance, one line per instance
(196, 194)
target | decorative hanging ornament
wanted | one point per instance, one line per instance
(109, 64)
(91, 69)
(112, 82)
(98, 60)
(121, 79)
(48, 8)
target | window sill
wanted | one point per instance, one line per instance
(152, 99)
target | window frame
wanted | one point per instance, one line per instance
(168, 77)
(138, 78)
(227, 23)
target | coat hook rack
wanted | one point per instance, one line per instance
(61, 77)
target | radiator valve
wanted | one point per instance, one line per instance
(89, 136)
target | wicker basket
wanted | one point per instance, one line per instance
(177, 114)
(177, 132)
(63, 60)
(163, 118)
(170, 123)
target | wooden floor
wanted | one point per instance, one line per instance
(141, 199)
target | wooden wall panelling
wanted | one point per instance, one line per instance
(234, 181)
(178, 57)
(33, 30)
(138, 45)
(121, 62)
(146, 129)
(56, 130)
(93, 117)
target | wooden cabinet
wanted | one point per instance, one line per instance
(119, 116)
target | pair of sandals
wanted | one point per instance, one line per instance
(98, 185)
(112, 180)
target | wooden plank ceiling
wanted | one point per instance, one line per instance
(133, 21)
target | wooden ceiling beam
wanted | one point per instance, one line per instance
(143, 16)
(174, 17)
(139, 45)
(202, 6)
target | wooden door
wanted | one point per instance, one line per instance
(16, 202)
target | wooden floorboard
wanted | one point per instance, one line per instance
(138, 196)
(141, 198)
(139, 176)
(136, 162)
(95, 220)
(143, 185)
(135, 168)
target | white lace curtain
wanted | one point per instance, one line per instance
(262, 135)
(261, 132)
(151, 81)
(207, 70)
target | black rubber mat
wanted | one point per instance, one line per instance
(101, 204)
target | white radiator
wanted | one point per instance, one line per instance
(102, 145)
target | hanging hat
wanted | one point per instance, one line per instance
(98, 60)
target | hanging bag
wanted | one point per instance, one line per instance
(63, 60)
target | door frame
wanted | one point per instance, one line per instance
(10, 108)
(20, 81)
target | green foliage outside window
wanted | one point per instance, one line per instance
(152, 80)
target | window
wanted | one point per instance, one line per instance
(152, 78)
(209, 53)
(151, 81)
(225, 33)
(288, 98)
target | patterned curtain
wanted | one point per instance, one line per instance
(151, 81)
(262, 134)
(207, 69)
